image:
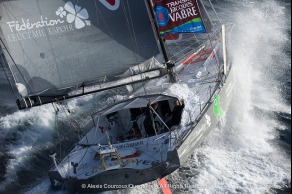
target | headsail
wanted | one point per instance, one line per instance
(54, 46)
(176, 16)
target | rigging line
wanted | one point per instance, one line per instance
(172, 49)
(129, 30)
(135, 38)
(107, 26)
(197, 39)
(192, 51)
(154, 126)
(206, 65)
(18, 71)
(133, 28)
(73, 123)
(14, 77)
(187, 43)
(82, 147)
(175, 43)
(54, 55)
(184, 49)
(217, 62)
(183, 46)
(57, 128)
(215, 12)
(131, 33)
(99, 14)
(213, 50)
(96, 128)
(5, 48)
(3, 63)
(39, 45)
(70, 120)
(160, 118)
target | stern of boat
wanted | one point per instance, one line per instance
(120, 178)
(133, 142)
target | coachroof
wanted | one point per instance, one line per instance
(140, 98)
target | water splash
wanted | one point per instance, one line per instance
(243, 157)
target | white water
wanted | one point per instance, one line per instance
(242, 156)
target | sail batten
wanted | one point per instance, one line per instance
(58, 45)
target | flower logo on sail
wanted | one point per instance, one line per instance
(61, 12)
(76, 14)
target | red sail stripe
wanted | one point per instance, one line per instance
(202, 56)
(111, 2)
(171, 36)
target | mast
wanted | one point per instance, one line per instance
(169, 64)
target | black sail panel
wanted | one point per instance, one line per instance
(57, 45)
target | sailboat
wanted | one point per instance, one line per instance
(168, 57)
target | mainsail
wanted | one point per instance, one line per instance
(55, 46)
(55, 49)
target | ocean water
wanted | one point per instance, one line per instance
(249, 154)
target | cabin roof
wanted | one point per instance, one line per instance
(140, 99)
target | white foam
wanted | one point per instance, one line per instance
(243, 156)
(25, 128)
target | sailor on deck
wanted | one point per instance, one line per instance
(149, 119)
(176, 113)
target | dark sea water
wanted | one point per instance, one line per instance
(250, 154)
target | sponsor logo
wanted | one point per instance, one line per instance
(217, 109)
(130, 145)
(162, 15)
(71, 17)
(178, 16)
(75, 14)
